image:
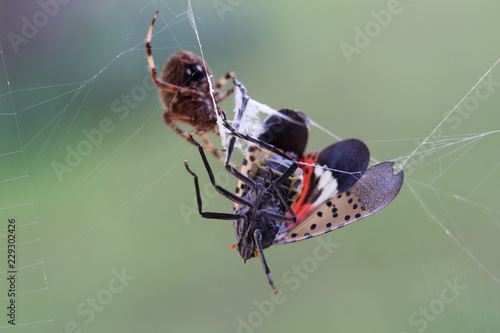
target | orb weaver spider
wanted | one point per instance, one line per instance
(184, 89)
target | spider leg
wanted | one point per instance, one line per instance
(258, 240)
(209, 215)
(210, 147)
(224, 95)
(220, 83)
(186, 91)
(168, 116)
(224, 79)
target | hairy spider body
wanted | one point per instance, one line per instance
(184, 86)
(185, 69)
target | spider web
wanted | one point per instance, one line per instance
(104, 208)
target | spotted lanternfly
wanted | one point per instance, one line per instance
(185, 92)
(278, 202)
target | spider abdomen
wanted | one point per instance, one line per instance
(184, 69)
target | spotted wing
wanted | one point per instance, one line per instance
(332, 170)
(373, 191)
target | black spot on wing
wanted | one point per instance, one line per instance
(376, 189)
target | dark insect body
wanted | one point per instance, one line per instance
(278, 202)
(184, 88)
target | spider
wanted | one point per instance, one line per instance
(264, 207)
(184, 89)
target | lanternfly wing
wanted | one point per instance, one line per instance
(373, 191)
(332, 170)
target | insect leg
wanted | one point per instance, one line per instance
(229, 167)
(234, 130)
(210, 147)
(231, 196)
(209, 215)
(258, 240)
(186, 135)
(244, 102)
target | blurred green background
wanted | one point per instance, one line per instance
(110, 241)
